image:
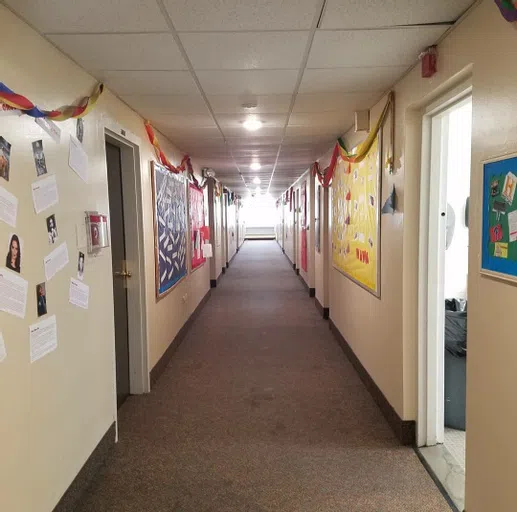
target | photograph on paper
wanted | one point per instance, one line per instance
(5, 159)
(13, 260)
(39, 157)
(13, 293)
(44, 193)
(52, 229)
(43, 338)
(79, 130)
(41, 299)
(80, 266)
(56, 261)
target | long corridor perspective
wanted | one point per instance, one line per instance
(259, 410)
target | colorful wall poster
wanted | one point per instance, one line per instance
(303, 225)
(170, 228)
(197, 225)
(499, 236)
(356, 219)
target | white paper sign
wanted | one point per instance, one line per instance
(78, 159)
(79, 293)
(207, 251)
(56, 261)
(50, 127)
(512, 225)
(8, 207)
(43, 338)
(44, 193)
(6, 110)
(13, 293)
(3, 351)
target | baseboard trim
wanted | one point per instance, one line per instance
(253, 238)
(305, 285)
(224, 270)
(405, 431)
(312, 292)
(72, 496)
(324, 312)
(162, 363)
(213, 283)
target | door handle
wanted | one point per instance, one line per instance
(125, 273)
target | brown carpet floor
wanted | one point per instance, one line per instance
(259, 411)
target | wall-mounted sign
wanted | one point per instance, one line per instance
(97, 232)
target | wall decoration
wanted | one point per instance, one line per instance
(508, 9)
(170, 228)
(97, 232)
(5, 159)
(499, 235)
(303, 226)
(356, 218)
(197, 225)
(39, 157)
(317, 218)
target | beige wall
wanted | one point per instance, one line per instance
(289, 232)
(231, 231)
(55, 411)
(216, 223)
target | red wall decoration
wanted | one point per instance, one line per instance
(303, 224)
(198, 232)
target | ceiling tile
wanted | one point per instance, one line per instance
(166, 104)
(250, 50)
(272, 104)
(182, 122)
(350, 79)
(334, 102)
(69, 16)
(148, 82)
(307, 131)
(110, 51)
(209, 15)
(259, 82)
(363, 48)
(382, 13)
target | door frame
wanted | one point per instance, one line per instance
(431, 274)
(129, 144)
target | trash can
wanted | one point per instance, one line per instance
(455, 363)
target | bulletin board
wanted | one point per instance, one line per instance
(170, 228)
(356, 190)
(499, 235)
(197, 225)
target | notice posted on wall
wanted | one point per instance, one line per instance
(79, 293)
(43, 338)
(56, 261)
(8, 207)
(44, 193)
(50, 127)
(78, 159)
(13, 293)
(3, 351)
(207, 250)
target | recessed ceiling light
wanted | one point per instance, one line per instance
(252, 124)
(256, 180)
(257, 190)
(255, 166)
(250, 105)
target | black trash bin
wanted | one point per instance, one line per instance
(455, 363)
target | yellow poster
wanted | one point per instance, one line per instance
(355, 219)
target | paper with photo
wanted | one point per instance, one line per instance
(43, 338)
(56, 261)
(45, 193)
(512, 225)
(50, 127)
(79, 293)
(78, 159)
(3, 351)
(8, 207)
(207, 250)
(13, 293)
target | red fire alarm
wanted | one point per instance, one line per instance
(429, 62)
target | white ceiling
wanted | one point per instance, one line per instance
(190, 65)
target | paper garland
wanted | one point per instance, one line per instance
(19, 102)
(508, 10)
(325, 177)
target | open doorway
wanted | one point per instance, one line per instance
(126, 230)
(444, 243)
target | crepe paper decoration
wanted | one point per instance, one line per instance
(19, 102)
(390, 203)
(508, 9)
(340, 151)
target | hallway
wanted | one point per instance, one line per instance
(259, 410)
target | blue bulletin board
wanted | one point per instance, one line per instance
(499, 236)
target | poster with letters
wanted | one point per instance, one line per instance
(499, 235)
(170, 228)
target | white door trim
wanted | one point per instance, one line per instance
(139, 381)
(431, 295)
